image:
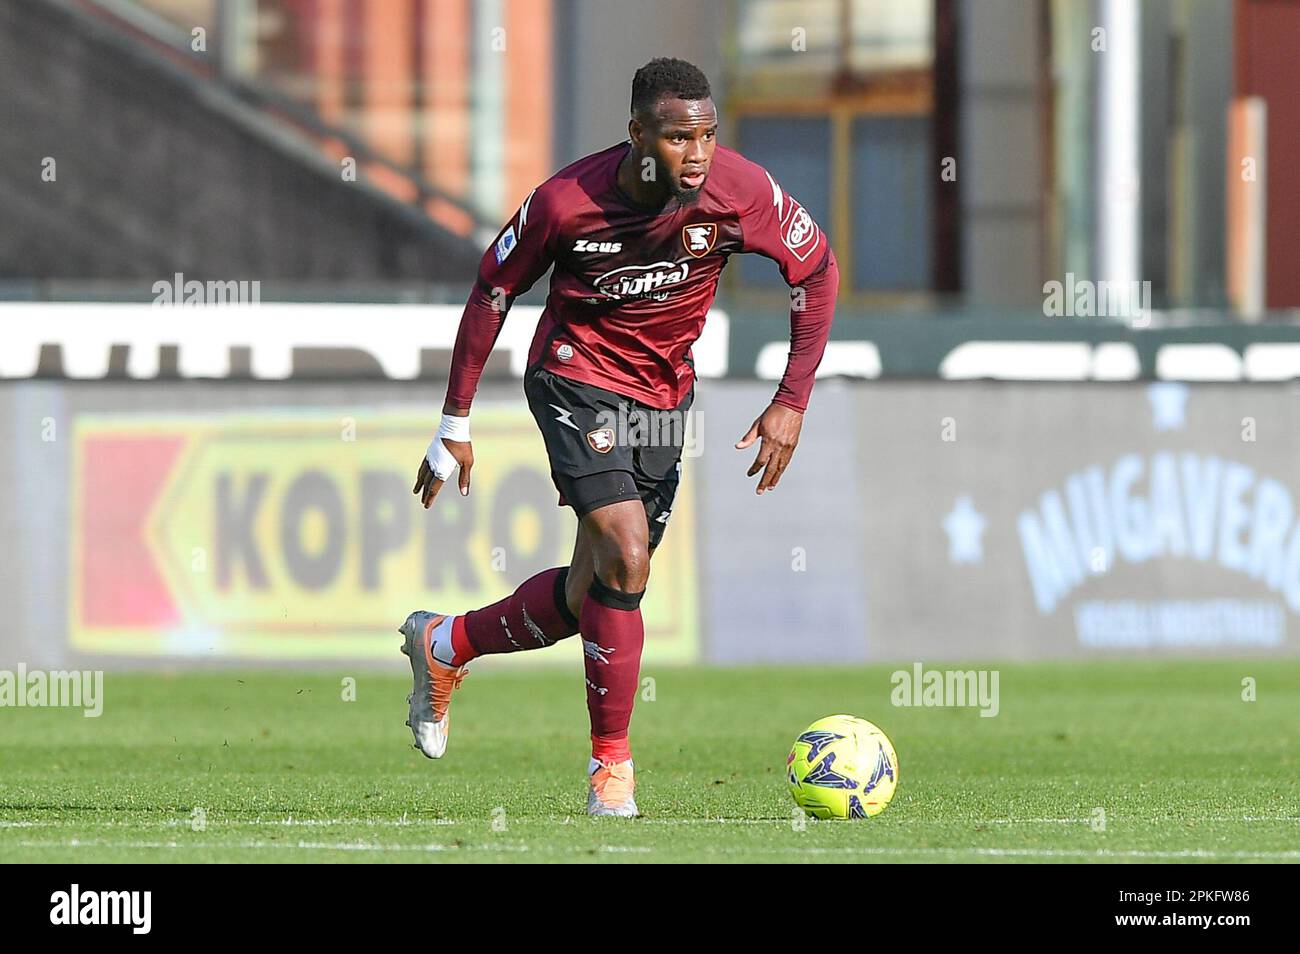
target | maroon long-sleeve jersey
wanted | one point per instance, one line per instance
(632, 286)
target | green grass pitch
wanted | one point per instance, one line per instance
(276, 766)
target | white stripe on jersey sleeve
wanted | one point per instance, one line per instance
(523, 212)
(776, 195)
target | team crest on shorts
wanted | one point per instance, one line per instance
(601, 439)
(699, 238)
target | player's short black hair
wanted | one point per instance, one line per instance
(663, 75)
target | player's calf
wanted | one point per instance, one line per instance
(613, 637)
(532, 617)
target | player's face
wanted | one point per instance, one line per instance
(681, 140)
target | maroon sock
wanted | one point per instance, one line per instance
(613, 635)
(533, 616)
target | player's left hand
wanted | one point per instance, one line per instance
(777, 429)
(427, 483)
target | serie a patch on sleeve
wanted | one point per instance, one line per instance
(505, 244)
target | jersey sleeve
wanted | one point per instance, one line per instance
(522, 252)
(774, 224)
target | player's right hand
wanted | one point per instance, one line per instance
(427, 483)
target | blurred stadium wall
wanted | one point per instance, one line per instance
(1058, 401)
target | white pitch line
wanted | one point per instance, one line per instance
(268, 845)
(1250, 819)
(1058, 853)
(317, 822)
(238, 822)
(221, 822)
(783, 822)
(1020, 852)
(317, 846)
(1100, 853)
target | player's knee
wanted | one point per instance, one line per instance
(634, 567)
(626, 565)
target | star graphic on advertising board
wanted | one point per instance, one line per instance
(1168, 405)
(965, 529)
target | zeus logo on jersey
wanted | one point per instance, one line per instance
(642, 281)
(584, 245)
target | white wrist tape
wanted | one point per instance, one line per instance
(440, 459)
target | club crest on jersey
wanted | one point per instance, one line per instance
(699, 238)
(642, 281)
(800, 234)
(601, 440)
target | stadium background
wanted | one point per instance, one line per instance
(980, 476)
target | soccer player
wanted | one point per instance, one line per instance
(638, 235)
